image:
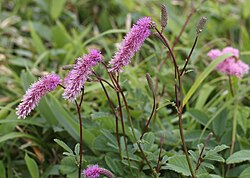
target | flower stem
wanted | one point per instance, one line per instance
(123, 128)
(231, 85)
(113, 109)
(178, 103)
(190, 54)
(80, 127)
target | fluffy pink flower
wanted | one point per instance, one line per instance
(35, 93)
(130, 44)
(92, 172)
(77, 76)
(95, 171)
(232, 65)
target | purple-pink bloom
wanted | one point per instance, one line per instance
(232, 65)
(95, 171)
(130, 44)
(35, 93)
(92, 172)
(77, 76)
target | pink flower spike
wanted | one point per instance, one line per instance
(232, 65)
(130, 44)
(95, 171)
(77, 76)
(34, 94)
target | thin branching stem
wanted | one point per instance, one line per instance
(80, 104)
(113, 109)
(178, 37)
(178, 103)
(150, 117)
(190, 54)
(131, 123)
(158, 167)
(146, 159)
(202, 150)
(123, 127)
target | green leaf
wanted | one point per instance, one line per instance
(114, 164)
(13, 135)
(32, 166)
(66, 119)
(36, 40)
(60, 36)
(203, 75)
(203, 95)
(226, 104)
(45, 109)
(245, 173)
(179, 164)
(2, 170)
(215, 157)
(238, 157)
(27, 78)
(56, 7)
(220, 122)
(68, 165)
(217, 149)
(63, 145)
(198, 115)
(77, 149)
(245, 9)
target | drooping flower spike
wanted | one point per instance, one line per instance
(78, 75)
(34, 94)
(232, 65)
(95, 171)
(130, 44)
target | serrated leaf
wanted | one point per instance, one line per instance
(245, 173)
(179, 164)
(193, 154)
(208, 165)
(215, 157)
(217, 149)
(63, 145)
(114, 165)
(238, 157)
(32, 166)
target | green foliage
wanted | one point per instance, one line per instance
(239, 156)
(32, 166)
(41, 36)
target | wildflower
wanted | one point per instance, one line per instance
(35, 93)
(130, 44)
(232, 65)
(95, 171)
(78, 75)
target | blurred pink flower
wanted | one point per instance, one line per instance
(232, 65)
(95, 171)
(34, 94)
(130, 44)
(77, 76)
